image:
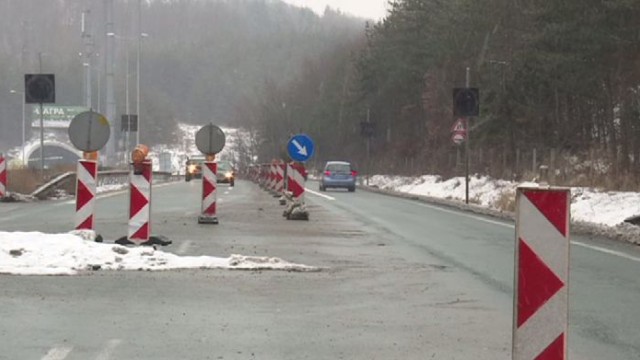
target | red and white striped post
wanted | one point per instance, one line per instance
(140, 202)
(296, 181)
(3, 176)
(542, 274)
(280, 178)
(209, 186)
(86, 180)
(274, 176)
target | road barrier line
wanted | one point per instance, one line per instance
(319, 194)
(86, 180)
(209, 193)
(58, 353)
(541, 298)
(139, 229)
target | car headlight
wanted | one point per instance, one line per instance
(191, 169)
(228, 174)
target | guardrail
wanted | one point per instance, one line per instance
(67, 181)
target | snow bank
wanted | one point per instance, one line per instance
(34, 253)
(588, 205)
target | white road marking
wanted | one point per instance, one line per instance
(607, 251)
(226, 192)
(58, 353)
(184, 246)
(511, 226)
(105, 354)
(321, 195)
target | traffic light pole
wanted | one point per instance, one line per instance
(466, 150)
(368, 150)
(41, 127)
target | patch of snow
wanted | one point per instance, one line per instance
(588, 205)
(35, 253)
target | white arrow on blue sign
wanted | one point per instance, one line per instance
(300, 147)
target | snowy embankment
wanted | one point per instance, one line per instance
(34, 253)
(592, 210)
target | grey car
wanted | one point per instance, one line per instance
(338, 174)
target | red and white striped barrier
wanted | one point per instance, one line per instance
(274, 177)
(86, 176)
(280, 170)
(140, 203)
(542, 273)
(296, 181)
(209, 186)
(3, 177)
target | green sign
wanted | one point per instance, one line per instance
(55, 116)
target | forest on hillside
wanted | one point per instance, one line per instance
(201, 60)
(558, 81)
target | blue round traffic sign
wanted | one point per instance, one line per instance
(300, 147)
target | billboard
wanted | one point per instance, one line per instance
(55, 116)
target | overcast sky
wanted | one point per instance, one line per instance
(372, 9)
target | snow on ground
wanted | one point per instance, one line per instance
(34, 253)
(111, 187)
(587, 205)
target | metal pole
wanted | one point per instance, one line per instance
(41, 126)
(139, 32)
(23, 131)
(466, 151)
(41, 142)
(368, 150)
(126, 86)
(88, 51)
(111, 103)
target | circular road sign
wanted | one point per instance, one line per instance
(300, 147)
(210, 139)
(89, 131)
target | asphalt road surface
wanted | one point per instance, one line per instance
(400, 279)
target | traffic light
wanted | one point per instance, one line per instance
(466, 102)
(39, 88)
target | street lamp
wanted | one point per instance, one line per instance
(24, 163)
(127, 39)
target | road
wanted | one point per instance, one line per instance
(400, 279)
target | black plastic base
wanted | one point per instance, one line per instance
(207, 220)
(153, 240)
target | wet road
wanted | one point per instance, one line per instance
(401, 280)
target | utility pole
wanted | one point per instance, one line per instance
(41, 126)
(88, 52)
(139, 36)
(368, 147)
(466, 149)
(111, 103)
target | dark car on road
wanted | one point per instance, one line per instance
(226, 173)
(194, 167)
(338, 174)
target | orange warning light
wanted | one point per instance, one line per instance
(139, 154)
(91, 155)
